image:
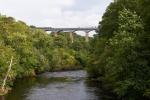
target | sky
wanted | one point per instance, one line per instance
(56, 13)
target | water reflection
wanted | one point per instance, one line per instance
(70, 85)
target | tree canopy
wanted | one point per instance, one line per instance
(120, 56)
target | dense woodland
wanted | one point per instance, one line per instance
(118, 56)
(34, 51)
(121, 54)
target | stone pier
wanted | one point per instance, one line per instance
(71, 36)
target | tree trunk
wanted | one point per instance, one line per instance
(5, 79)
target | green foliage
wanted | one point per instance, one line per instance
(121, 52)
(109, 24)
(5, 56)
(35, 51)
(62, 59)
(125, 65)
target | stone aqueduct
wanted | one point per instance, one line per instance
(71, 31)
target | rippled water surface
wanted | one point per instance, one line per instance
(68, 85)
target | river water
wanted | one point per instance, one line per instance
(67, 85)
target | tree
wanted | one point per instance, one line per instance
(120, 56)
(125, 66)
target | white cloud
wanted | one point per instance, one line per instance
(55, 13)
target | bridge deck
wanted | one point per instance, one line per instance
(66, 29)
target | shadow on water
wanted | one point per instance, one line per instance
(99, 92)
(69, 85)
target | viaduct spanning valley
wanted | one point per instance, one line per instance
(71, 31)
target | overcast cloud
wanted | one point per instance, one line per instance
(56, 13)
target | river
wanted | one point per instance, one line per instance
(67, 85)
